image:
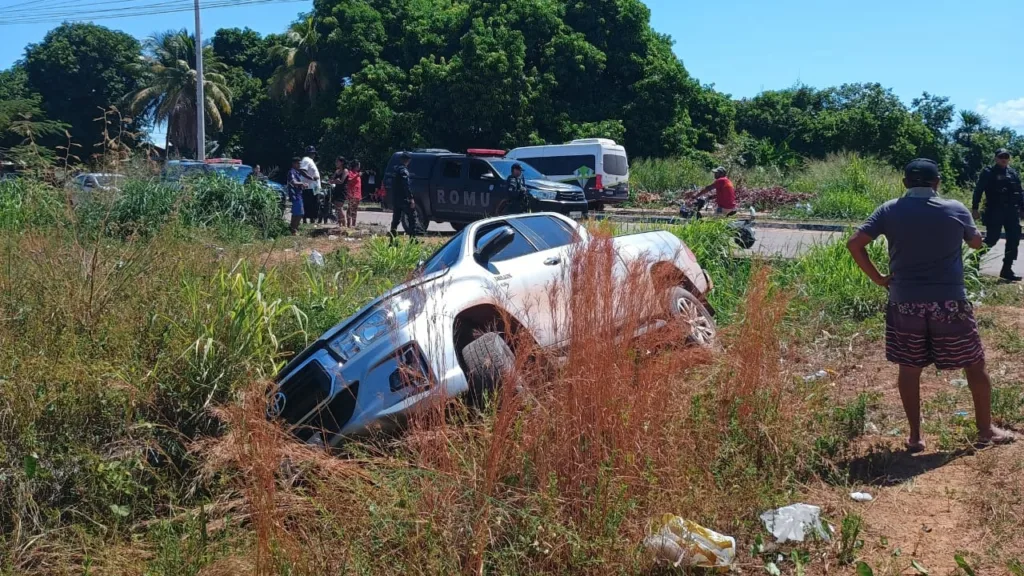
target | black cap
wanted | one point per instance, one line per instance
(1002, 152)
(311, 150)
(405, 156)
(296, 159)
(517, 166)
(921, 170)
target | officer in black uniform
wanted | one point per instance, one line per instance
(1004, 200)
(518, 197)
(403, 206)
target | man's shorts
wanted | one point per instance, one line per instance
(918, 334)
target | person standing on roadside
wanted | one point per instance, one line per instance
(337, 182)
(311, 178)
(296, 187)
(928, 319)
(403, 206)
(353, 193)
(518, 196)
(1004, 200)
(725, 192)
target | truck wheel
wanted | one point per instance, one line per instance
(457, 226)
(686, 308)
(489, 361)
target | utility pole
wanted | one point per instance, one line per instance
(200, 96)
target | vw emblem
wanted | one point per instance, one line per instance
(276, 405)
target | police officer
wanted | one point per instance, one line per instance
(518, 197)
(403, 206)
(1004, 200)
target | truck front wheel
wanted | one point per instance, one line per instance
(490, 363)
(697, 321)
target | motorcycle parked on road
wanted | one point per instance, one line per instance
(742, 228)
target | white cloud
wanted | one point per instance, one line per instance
(1009, 113)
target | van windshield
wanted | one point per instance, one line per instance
(504, 168)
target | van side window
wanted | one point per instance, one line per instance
(479, 170)
(561, 165)
(452, 169)
(615, 165)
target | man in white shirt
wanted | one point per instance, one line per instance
(312, 193)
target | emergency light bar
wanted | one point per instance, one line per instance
(485, 152)
(223, 161)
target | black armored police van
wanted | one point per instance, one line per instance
(462, 188)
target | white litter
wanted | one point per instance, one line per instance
(794, 522)
(861, 496)
(316, 258)
(680, 542)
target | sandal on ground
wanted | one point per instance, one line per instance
(916, 447)
(998, 438)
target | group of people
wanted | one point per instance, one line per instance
(929, 319)
(315, 203)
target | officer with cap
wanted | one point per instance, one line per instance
(518, 197)
(1004, 200)
(403, 206)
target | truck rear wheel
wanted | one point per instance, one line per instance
(686, 308)
(489, 363)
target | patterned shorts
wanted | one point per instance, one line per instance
(918, 334)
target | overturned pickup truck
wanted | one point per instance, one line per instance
(442, 333)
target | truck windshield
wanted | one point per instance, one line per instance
(446, 256)
(504, 167)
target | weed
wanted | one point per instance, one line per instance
(850, 542)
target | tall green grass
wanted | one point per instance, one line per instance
(847, 186)
(25, 203)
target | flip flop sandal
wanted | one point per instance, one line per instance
(996, 441)
(916, 448)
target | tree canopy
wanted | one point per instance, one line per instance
(363, 78)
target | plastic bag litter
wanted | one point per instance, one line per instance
(316, 258)
(794, 522)
(679, 542)
(861, 496)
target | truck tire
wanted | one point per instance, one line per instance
(684, 307)
(458, 226)
(489, 361)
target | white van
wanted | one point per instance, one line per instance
(597, 165)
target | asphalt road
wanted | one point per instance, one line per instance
(773, 242)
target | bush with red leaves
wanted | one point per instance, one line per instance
(768, 199)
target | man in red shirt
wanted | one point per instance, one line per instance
(725, 192)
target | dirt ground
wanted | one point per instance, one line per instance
(952, 499)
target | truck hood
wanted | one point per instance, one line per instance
(552, 186)
(321, 342)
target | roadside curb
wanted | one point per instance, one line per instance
(674, 220)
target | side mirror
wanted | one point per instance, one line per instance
(493, 242)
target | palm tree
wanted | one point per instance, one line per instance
(301, 70)
(170, 95)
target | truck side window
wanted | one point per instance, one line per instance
(519, 246)
(452, 169)
(480, 170)
(551, 232)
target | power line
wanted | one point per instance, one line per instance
(166, 7)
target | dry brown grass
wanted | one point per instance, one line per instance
(561, 477)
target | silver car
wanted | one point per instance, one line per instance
(442, 334)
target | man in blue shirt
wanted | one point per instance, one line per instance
(928, 319)
(296, 186)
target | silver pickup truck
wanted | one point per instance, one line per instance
(443, 333)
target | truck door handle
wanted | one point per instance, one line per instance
(553, 261)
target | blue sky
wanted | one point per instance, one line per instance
(945, 47)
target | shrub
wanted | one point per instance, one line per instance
(847, 187)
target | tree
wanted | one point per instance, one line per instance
(170, 91)
(79, 71)
(301, 70)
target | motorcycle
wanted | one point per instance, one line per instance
(742, 228)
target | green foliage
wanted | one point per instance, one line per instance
(849, 539)
(828, 283)
(80, 70)
(847, 187)
(26, 204)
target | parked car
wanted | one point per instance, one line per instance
(234, 169)
(83, 185)
(462, 188)
(597, 165)
(443, 332)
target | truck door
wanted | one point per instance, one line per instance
(486, 189)
(446, 189)
(524, 273)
